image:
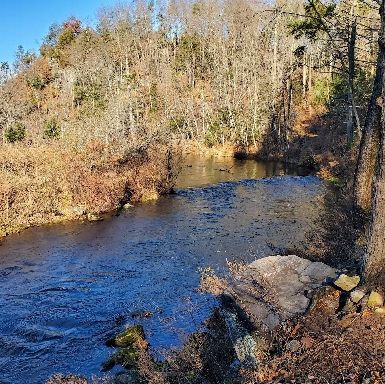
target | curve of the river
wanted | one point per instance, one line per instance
(66, 289)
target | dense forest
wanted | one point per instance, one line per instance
(97, 118)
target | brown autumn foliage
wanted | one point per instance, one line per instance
(54, 184)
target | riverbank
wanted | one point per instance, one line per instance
(310, 323)
(59, 180)
(57, 183)
(317, 142)
(283, 319)
(287, 319)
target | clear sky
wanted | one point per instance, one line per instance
(26, 22)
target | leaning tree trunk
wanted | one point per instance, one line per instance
(370, 141)
(374, 259)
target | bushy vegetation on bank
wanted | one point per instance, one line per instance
(55, 183)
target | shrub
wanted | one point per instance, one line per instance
(52, 129)
(15, 132)
(36, 82)
(177, 124)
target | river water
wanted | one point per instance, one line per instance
(66, 289)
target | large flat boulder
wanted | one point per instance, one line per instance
(275, 288)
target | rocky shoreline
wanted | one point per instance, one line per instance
(275, 316)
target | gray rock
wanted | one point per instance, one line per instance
(293, 304)
(273, 288)
(271, 265)
(259, 310)
(269, 291)
(316, 272)
(272, 321)
(287, 284)
(244, 344)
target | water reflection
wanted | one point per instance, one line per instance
(198, 171)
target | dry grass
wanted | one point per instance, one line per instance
(53, 183)
(210, 282)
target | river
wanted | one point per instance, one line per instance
(67, 288)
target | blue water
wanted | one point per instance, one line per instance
(66, 289)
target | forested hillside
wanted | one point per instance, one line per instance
(95, 118)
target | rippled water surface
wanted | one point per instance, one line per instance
(66, 289)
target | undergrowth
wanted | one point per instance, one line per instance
(54, 183)
(326, 346)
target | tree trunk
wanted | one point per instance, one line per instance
(370, 142)
(374, 259)
(349, 117)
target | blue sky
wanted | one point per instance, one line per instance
(26, 22)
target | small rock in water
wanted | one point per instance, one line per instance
(127, 206)
(347, 283)
(375, 300)
(142, 314)
(130, 336)
(130, 342)
(92, 217)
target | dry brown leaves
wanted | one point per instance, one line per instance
(329, 348)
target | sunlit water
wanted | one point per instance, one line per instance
(66, 289)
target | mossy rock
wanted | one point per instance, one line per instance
(375, 299)
(347, 283)
(130, 343)
(149, 196)
(130, 336)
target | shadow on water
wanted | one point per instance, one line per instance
(66, 289)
